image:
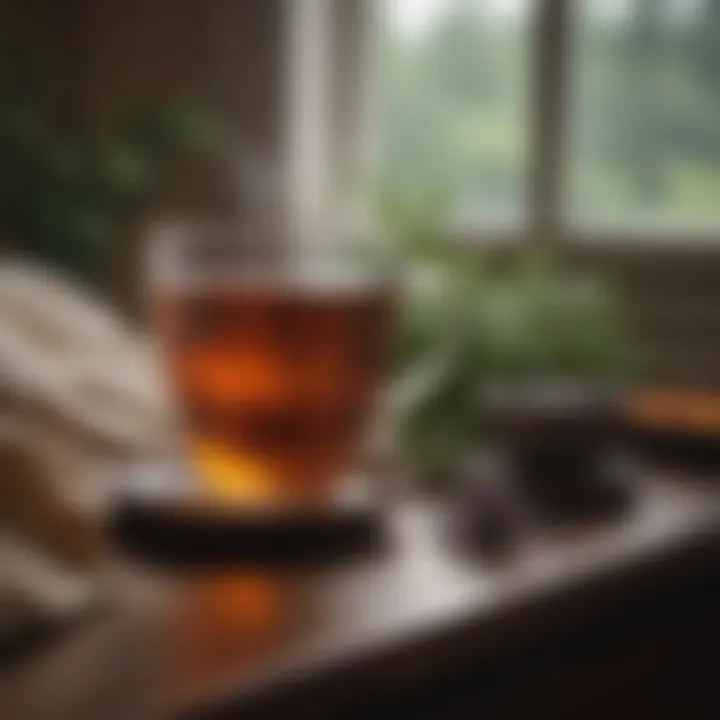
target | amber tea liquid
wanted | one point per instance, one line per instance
(275, 384)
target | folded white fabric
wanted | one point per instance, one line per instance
(66, 358)
(77, 387)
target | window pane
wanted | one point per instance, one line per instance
(454, 99)
(645, 142)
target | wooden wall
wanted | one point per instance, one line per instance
(109, 55)
(673, 299)
(224, 53)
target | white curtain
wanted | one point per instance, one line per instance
(329, 113)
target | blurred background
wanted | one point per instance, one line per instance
(540, 177)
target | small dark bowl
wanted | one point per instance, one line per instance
(557, 435)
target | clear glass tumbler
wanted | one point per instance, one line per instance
(276, 358)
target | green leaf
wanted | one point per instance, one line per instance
(125, 172)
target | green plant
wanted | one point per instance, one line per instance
(464, 327)
(414, 219)
(538, 321)
(65, 196)
(66, 193)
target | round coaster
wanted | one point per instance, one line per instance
(159, 515)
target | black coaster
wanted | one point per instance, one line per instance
(160, 516)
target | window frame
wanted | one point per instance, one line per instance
(352, 33)
(549, 224)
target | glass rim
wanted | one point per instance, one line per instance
(209, 250)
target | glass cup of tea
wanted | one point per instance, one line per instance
(276, 357)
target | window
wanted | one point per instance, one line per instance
(575, 118)
(646, 114)
(454, 81)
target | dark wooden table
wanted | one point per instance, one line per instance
(345, 641)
